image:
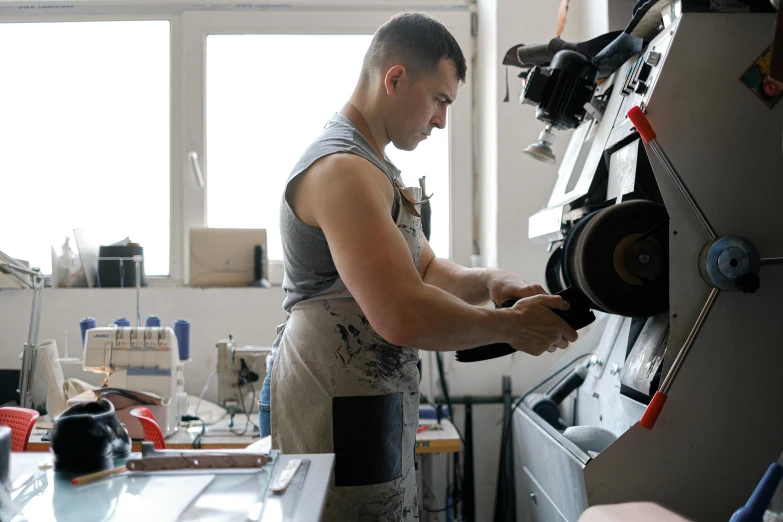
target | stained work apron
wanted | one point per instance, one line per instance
(339, 387)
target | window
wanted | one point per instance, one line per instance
(85, 136)
(267, 99)
(111, 117)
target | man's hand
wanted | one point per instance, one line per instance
(502, 285)
(537, 328)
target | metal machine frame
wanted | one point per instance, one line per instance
(723, 422)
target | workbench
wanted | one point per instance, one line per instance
(227, 495)
(220, 436)
(438, 438)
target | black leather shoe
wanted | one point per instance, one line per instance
(87, 437)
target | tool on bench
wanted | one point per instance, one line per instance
(163, 460)
(169, 460)
(205, 461)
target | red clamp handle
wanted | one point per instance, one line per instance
(639, 121)
(653, 410)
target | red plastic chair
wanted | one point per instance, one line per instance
(21, 422)
(152, 432)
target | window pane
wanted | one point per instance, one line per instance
(431, 161)
(268, 97)
(85, 136)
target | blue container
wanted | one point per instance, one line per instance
(121, 321)
(182, 331)
(86, 324)
(152, 320)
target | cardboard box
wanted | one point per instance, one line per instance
(224, 257)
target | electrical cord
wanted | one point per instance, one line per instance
(507, 431)
(428, 487)
(197, 440)
(204, 390)
(509, 423)
(567, 366)
(458, 478)
(244, 408)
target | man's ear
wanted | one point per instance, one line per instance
(394, 75)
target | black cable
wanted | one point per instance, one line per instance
(459, 482)
(429, 487)
(441, 510)
(506, 442)
(244, 408)
(554, 374)
(568, 366)
(253, 395)
(197, 440)
(458, 478)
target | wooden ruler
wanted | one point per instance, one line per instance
(206, 461)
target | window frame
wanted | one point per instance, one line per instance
(189, 27)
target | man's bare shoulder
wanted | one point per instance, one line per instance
(344, 168)
(336, 180)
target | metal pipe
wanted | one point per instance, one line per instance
(18, 268)
(35, 315)
(772, 260)
(29, 350)
(29, 353)
(667, 164)
(137, 261)
(686, 347)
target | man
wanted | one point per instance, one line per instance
(365, 291)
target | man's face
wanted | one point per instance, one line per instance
(420, 105)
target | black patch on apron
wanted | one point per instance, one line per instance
(367, 439)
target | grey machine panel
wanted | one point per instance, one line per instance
(723, 422)
(552, 483)
(599, 402)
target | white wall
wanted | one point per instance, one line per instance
(511, 188)
(512, 185)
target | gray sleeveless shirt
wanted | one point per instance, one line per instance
(308, 263)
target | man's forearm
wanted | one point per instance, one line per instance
(468, 284)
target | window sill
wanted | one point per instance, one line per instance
(275, 278)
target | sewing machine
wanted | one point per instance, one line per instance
(241, 371)
(144, 359)
(675, 242)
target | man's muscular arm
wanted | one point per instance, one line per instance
(350, 200)
(473, 285)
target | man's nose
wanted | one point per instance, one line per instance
(439, 120)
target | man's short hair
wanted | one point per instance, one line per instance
(415, 41)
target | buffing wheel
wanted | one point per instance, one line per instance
(567, 260)
(618, 257)
(553, 273)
